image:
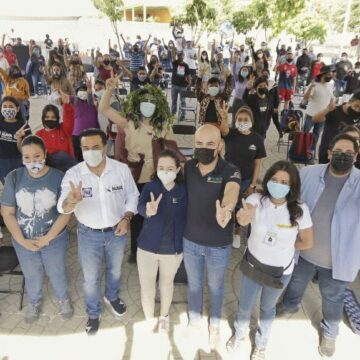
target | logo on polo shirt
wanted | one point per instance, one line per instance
(236, 175)
(214, 179)
(87, 192)
(252, 147)
(114, 188)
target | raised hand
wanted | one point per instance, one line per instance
(246, 214)
(250, 83)
(223, 214)
(88, 83)
(153, 204)
(21, 133)
(224, 110)
(75, 194)
(65, 98)
(112, 83)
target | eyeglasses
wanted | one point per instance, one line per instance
(338, 152)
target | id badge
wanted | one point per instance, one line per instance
(270, 238)
(114, 128)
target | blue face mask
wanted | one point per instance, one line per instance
(276, 190)
(244, 74)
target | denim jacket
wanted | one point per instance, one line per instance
(345, 226)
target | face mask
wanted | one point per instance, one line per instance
(357, 70)
(327, 78)
(35, 166)
(14, 74)
(343, 58)
(8, 113)
(260, 56)
(147, 109)
(342, 162)
(142, 78)
(106, 62)
(82, 95)
(262, 91)
(93, 157)
(204, 57)
(354, 114)
(289, 60)
(204, 156)
(99, 94)
(244, 74)
(213, 90)
(166, 177)
(36, 52)
(242, 50)
(243, 126)
(51, 124)
(277, 191)
(56, 74)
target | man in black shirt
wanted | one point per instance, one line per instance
(180, 80)
(342, 68)
(348, 113)
(213, 188)
(22, 54)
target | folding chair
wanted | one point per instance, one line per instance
(8, 263)
(190, 105)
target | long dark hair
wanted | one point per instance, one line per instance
(207, 57)
(18, 116)
(50, 107)
(171, 154)
(293, 197)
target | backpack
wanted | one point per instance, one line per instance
(290, 120)
(301, 148)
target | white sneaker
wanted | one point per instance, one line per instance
(164, 324)
(236, 242)
(214, 337)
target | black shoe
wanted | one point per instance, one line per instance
(117, 307)
(92, 326)
(132, 259)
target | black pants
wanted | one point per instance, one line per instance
(193, 76)
(77, 148)
(136, 226)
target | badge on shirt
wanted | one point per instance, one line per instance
(214, 179)
(114, 188)
(181, 70)
(252, 147)
(270, 238)
(87, 192)
(174, 200)
(236, 175)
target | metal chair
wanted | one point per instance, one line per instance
(190, 106)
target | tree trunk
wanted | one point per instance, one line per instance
(116, 31)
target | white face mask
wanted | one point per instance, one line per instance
(243, 126)
(99, 94)
(213, 90)
(93, 158)
(35, 166)
(82, 95)
(166, 177)
(147, 109)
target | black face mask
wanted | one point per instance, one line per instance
(342, 162)
(106, 62)
(51, 124)
(289, 60)
(14, 74)
(262, 91)
(204, 156)
(354, 114)
(328, 78)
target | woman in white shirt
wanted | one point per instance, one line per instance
(280, 224)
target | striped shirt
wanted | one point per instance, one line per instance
(136, 60)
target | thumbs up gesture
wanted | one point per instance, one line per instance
(246, 214)
(153, 204)
(223, 214)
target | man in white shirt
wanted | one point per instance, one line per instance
(103, 196)
(190, 59)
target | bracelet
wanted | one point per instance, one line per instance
(127, 218)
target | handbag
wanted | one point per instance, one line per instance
(266, 275)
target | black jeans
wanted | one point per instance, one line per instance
(77, 148)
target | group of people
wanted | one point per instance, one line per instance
(114, 163)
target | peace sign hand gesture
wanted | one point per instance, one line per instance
(75, 194)
(224, 110)
(113, 82)
(223, 214)
(152, 205)
(246, 214)
(250, 83)
(21, 133)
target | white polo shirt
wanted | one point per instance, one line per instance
(106, 199)
(272, 238)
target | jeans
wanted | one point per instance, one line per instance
(7, 165)
(332, 294)
(215, 260)
(318, 127)
(92, 245)
(249, 291)
(36, 78)
(339, 87)
(49, 260)
(175, 91)
(61, 160)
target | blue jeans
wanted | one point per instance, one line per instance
(249, 291)
(215, 260)
(318, 127)
(92, 245)
(7, 165)
(36, 78)
(61, 160)
(49, 260)
(339, 87)
(332, 294)
(175, 91)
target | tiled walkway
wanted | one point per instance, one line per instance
(51, 338)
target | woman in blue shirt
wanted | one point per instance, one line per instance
(163, 204)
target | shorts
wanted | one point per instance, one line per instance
(285, 94)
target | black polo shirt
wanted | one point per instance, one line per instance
(203, 191)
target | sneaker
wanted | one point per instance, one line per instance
(66, 309)
(282, 311)
(327, 346)
(117, 307)
(32, 313)
(236, 242)
(258, 354)
(234, 344)
(92, 326)
(35, 96)
(214, 337)
(164, 324)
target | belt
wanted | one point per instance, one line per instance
(103, 230)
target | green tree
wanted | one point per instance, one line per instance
(307, 28)
(113, 10)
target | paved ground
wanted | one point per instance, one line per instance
(51, 338)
